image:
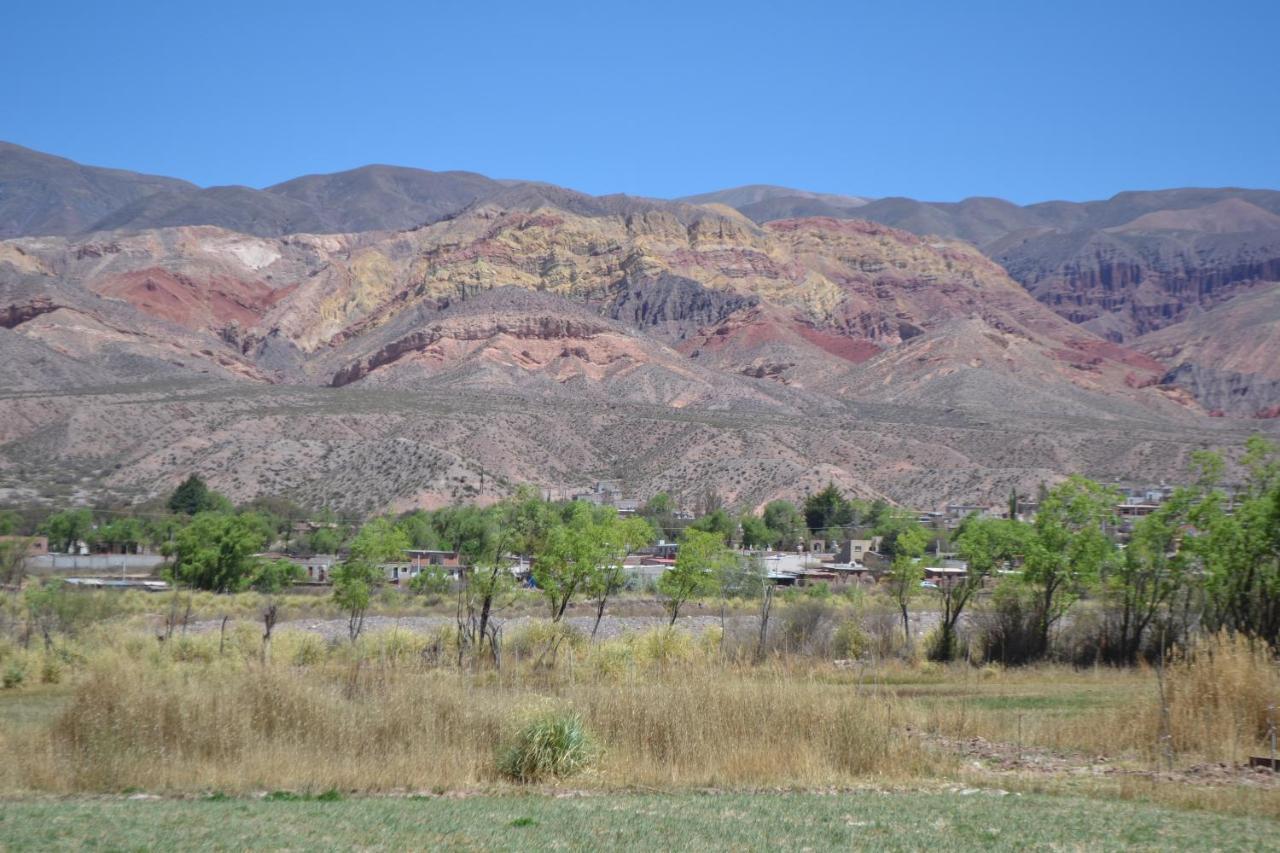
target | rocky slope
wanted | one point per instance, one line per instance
(1226, 357)
(505, 332)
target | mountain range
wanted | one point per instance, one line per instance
(397, 337)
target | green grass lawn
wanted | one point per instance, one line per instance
(865, 820)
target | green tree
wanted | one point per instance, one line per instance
(573, 554)
(13, 562)
(1143, 582)
(324, 540)
(354, 580)
(826, 510)
(699, 561)
(755, 532)
(1067, 548)
(986, 544)
(216, 552)
(273, 577)
(68, 527)
(1236, 544)
(787, 523)
(193, 496)
(907, 571)
(622, 538)
(719, 522)
(10, 522)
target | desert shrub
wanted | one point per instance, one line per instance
(664, 647)
(15, 672)
(849, 641)
(820, 591)
(551, 746)
(51, 670)
(541, 637)
(884, 633)
(805, 628)
(308, 649)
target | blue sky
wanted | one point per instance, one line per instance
(938, 100)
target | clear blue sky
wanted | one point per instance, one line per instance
(1028, 100)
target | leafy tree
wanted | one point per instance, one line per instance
(1236, 543)
(826, 510)
(353, 582)
(324, 540)
(787, 523)
(1143, 582)
(572, 556)
(699, 561)
(216, 552)
(123, 533)
(430, 580)
(986, 544)
(1067, 548)
(68, 527)
(755, 532)
(719, 522)
(10, 522)
(193, 496)
(13, 562)
(907, 571)
(418, 527)
(379, 541)
(622, 538)
(273, 577)
(354, 579)
(660, 511)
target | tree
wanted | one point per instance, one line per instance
(572, 556)
(1067, 548)
(68, 527)
(755, 532)
(907, 571)
(10, 522)
(192, 497)
(13, 562)
(787, 523)
(123, 533)
(622, 538)
(826, 510)
(354, 579)
(700, 559)
(719, 522)
(273, 577)
(430, 581)
(985, 544)
(379, 541)
(353, 582)
(216, 552)
(1143, 582)
(324, 540)
(1236, 543)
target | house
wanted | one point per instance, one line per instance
(852, 550)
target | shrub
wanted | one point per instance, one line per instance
(806, 628)
(552, 746)
(849, 641)
(51, 670)
(14, 674)
(663, 647)
(310, 649)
